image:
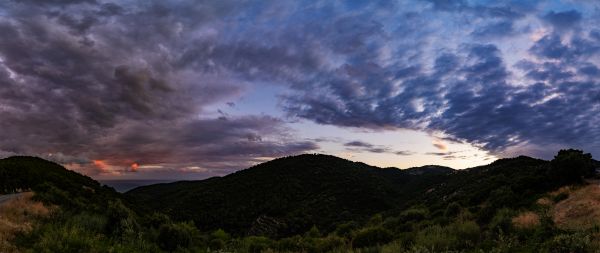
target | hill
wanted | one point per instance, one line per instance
(430, 169)
(319, 203)
(287, 196)
(52, 182)
(293, 192)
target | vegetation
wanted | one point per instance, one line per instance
(316, 203)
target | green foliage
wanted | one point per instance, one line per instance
(298, 192)
(414, 214)
(313, 232)
(371, 236)
(452, 210)
(256, 244)
(177, 235)
(313, 203)
(121, 221)
(345, 229)
(219, 239)
(502, 221)
(568, 243)
(436, 238)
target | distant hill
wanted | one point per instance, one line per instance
(430, 169)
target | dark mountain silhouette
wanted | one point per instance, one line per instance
(430, 169)
(297, 192)
(301, 191)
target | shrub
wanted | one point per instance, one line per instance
(467, 232)
(436, 238)
(569, 243)
(155, 220)
(346, 229)
(376, 220)
(221, 235)
(414, 214)
(452, 210)
(291, 244)
(120, 220)
(257, 244)
(178, 235)
(313, 232)
(372, 236)
(502, 221)
(329, 243)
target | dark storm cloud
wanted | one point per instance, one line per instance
(85, 80)
(143, 81)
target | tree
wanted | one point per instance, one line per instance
(569, 166)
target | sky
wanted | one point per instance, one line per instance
(186, 89)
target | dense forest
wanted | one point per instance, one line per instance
(319, 203)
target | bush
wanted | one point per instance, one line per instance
(502, 221)
(120, 220)
(467, 232)
(346, 229)
(313, 232)
(329, 243)
(372, 236)
(414, 214)
(178, 235)
(292, 244)
(569, 243)
(436, 238)
(452, 210)
(257, 244)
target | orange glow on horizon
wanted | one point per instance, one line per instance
(100, 164)
(134, 167)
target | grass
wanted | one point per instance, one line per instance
(580, 210)
(526, 220)
(18, 216)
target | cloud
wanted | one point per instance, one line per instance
(563, 20)
(440, 146)
(110, 83)
(360, 146)
(127, 83)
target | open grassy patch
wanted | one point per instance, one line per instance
(526, 220)
(18, 216)
(580, 210)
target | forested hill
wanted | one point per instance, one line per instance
(295, 193)
(319, 203)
